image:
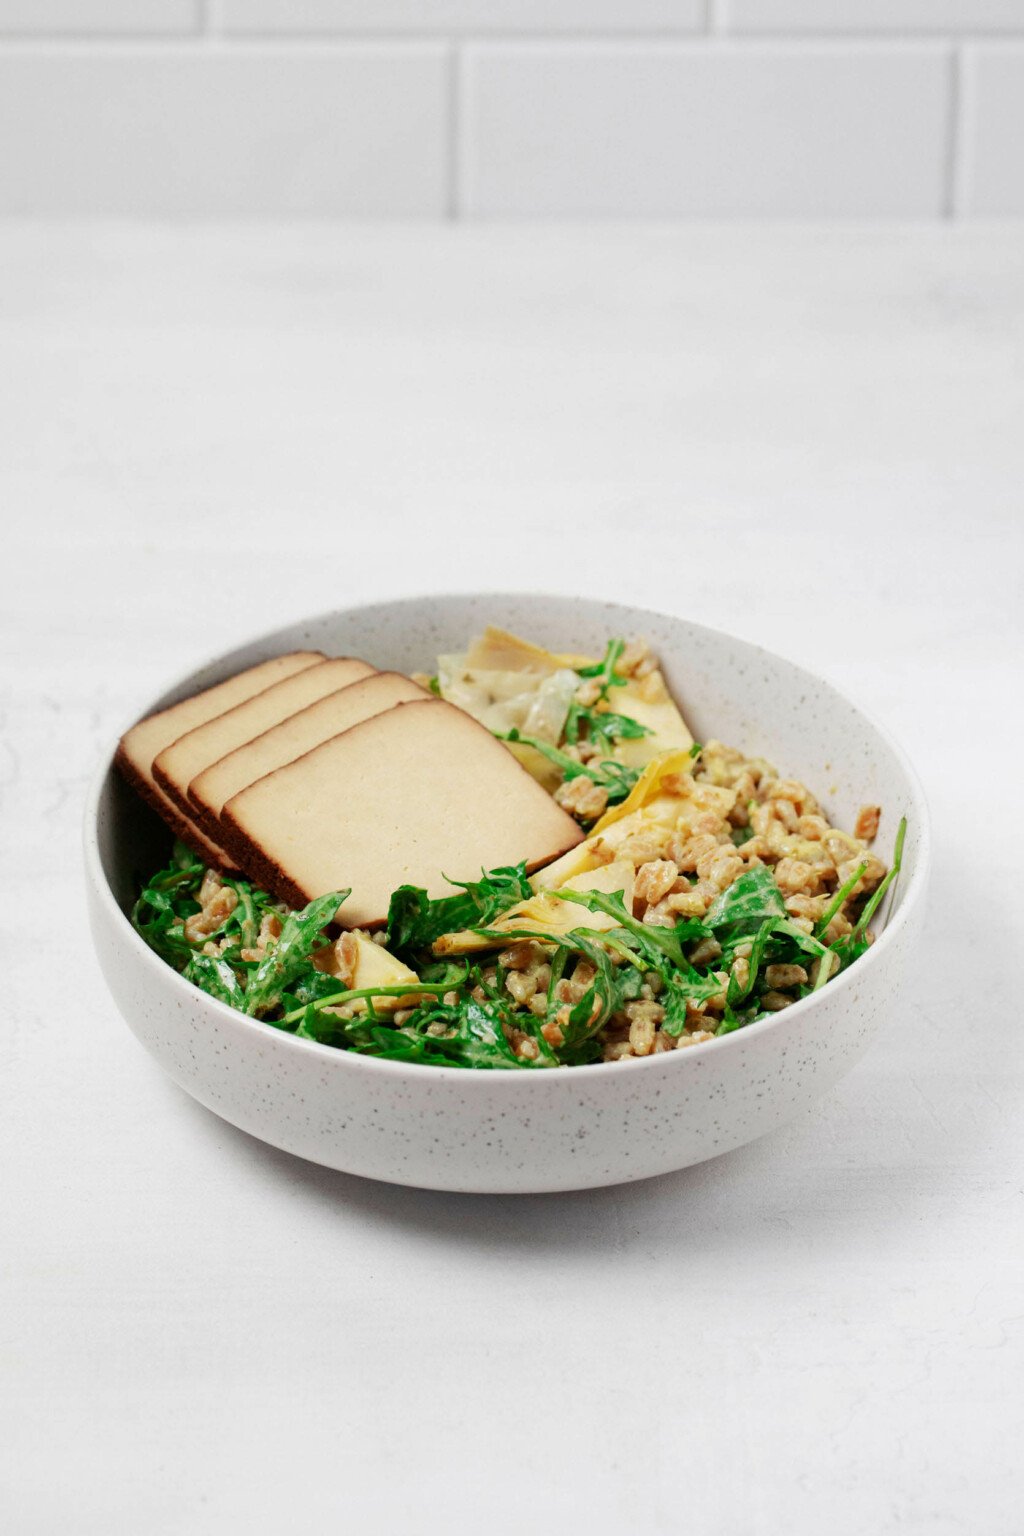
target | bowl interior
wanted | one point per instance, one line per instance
(728, 689)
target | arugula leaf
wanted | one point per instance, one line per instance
(849, 947)
(165, 901)
(300, 936)
(415, 921)
(466, 1034)
(214, 975)
(662, 952)
(743, 906)
(611, 987)
(656, 944)
(681, 988)
(335, 998)
(480, 1033)
(570, 768)
(730, 1021)
(603, 671)
(755, 960)
(616, 777)
(613, 776)
(838, 902)
(245, 913)
(891, 876)
(604, 727)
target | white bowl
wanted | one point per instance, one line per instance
(449, 1128)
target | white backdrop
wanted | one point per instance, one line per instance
(810, 438)
(512, 108)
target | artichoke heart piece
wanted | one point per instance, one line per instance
(594, 853)
(546, 914)
(499, 650)
(667, 776)
(646, 700)
(649, 703)
(503, 699)
(666, 799)
(374, 966)
(665, 793)
(509, 683)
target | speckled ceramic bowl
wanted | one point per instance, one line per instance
(447, 1128)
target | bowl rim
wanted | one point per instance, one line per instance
(912, 892)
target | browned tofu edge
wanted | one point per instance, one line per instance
(183, 827)
(262, 870)
(271, 877)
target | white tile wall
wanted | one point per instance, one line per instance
(866, 16)
(463, 16)
(992, 179)
(91, 18)
(643, 130)
(491, 108)
(175, 133)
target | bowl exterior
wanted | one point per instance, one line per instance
(540, 1130)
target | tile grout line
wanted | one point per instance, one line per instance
(210, 30)
(953, 134)
(961, 135)
(454, 125)
(717, 33)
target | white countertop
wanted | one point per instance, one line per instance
(812, 438)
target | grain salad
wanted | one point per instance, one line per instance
(701, 889)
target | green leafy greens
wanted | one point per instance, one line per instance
(459, 1013)
(615, 777)
(699, 973)
(414, 921)
(596, 725)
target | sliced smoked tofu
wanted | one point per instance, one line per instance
(300, 733)
(181, 762)
(419, 795)
(140, 746)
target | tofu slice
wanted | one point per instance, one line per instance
(300, 733)
(410, 797)
(139, 746)
(178, 764)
